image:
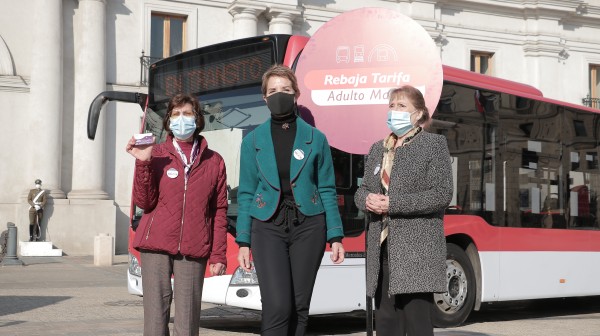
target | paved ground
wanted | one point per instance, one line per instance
(70, 296)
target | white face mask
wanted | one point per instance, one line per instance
(182, 127)
(399, 122)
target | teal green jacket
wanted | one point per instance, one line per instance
(311, 175)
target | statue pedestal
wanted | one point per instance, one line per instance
(38, 249)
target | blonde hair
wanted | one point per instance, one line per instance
(279, 70)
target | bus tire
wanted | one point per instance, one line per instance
(450, 309)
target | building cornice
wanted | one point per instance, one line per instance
(246, 8)
(284, 14)
(102, 1)
(320, 14)
(203, 3)
(577, 11)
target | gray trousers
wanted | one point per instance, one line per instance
(188, 273)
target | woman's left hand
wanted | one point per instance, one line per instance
(378, 203)
(337, 253)
(217, 269)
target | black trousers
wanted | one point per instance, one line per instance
(287, 259)
(35, 224)
(402, 314)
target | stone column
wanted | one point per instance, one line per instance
(281, 20)
(45, 99)
(245, 18)
(90, 80)
(545, 56)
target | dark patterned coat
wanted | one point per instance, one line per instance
(420, 189)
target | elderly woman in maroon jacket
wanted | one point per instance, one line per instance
(181, 185)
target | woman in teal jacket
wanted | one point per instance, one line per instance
(287, 207)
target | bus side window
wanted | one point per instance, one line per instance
(581, 162)
(137, 216)
(342, 168)
(348, 172)
(531, 159)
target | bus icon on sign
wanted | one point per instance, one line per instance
(383, 53)
(342, 54)
(359, 53)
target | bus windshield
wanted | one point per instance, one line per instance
(242, 109)
(227, 82)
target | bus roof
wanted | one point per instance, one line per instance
(477, 80)
(490, 83)
(451, 74)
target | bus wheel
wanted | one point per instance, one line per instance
(452, 308)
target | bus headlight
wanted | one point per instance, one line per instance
(134, 266)
(242, 278)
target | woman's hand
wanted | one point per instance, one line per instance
(244, 259)
(337, 253)
(142, 152)
(217, 269)
(378, 203)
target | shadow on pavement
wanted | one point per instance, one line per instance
(236, 320)
(231, 319)
(543, 308)
(459, 333)
(18, 304)
(337, 324)
(30, 261)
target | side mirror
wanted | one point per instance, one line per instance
(101, 99)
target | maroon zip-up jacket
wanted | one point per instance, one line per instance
(191, 221)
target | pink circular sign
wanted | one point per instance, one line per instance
(349, 65)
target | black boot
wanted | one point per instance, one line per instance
(30, 232)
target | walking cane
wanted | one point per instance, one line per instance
(369, 300)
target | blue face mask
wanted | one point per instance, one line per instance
(399, 122)
(182, 127)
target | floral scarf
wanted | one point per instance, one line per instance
(387, 163)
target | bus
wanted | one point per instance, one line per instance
(524, 219)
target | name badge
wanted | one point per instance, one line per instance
(172, 173)
(377, 169)
(298, 154)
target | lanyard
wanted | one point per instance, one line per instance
(187, 165)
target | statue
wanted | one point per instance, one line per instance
(37, 201)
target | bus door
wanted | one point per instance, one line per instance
(348, 170)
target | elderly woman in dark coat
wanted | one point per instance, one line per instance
(406, 187)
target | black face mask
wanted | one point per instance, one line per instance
(281, 104)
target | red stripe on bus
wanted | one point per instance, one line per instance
(488, 238)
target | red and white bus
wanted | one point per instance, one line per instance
(524, 219)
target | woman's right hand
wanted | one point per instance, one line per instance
(142, 152)
(244, 258)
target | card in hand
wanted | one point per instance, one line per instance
(143, 139)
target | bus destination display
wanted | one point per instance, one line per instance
(211, 72)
